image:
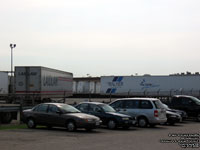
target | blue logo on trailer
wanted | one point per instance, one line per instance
(146, 85)
(117, 79)
(111, 90)
(116, 82)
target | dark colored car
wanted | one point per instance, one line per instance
(189, 104)
(107, 114)
(172, 118)
(60, 115)
(182, 113)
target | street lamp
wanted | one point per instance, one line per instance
(12, 81)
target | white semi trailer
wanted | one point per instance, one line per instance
(33, 84)
(151, 85)
(43, 82)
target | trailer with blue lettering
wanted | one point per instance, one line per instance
(148, 85)
(38, 83)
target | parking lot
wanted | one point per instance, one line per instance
(98, 139)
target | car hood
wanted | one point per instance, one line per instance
(176, 111)
(82, 115)
(172, 113)
(118, 114)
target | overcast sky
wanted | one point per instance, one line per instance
(102, 37)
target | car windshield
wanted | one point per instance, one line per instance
(68, 109)
(107, 108)
(196, 100)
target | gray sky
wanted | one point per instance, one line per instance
(102, 37)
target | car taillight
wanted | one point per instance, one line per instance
(155, 113)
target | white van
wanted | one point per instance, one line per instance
(148, 111)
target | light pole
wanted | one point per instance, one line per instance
(12, 81)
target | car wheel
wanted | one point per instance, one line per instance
(31, 123)
(112, 124)
(142, 122)
(71, 126)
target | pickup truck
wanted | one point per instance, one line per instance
(189, 104)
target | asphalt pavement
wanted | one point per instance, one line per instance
(160, 137)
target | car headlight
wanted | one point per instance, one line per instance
(125, 118)
(89, 120)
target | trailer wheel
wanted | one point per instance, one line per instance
(31, 123)
(6, 117)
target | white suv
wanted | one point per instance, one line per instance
(148, 111)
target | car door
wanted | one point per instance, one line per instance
(188, 106)
(55, 117)
(131, 107)
(146, 109)
(97, 111)
(124, 107)
(40, 114)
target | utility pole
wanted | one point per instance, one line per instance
(12, 46)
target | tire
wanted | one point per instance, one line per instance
(112, 124)
(142, 122)
(31, 123)
(71, 126)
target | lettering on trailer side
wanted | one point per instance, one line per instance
(50, 81)
(146, 85)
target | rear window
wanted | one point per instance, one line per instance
(145, 104)
(131, 104)
(158, 104)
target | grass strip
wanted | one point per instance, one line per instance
(13, 126)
